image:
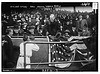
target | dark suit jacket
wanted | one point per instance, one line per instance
(8, 47)
(53, 28)
(73, 33)
(11, 53)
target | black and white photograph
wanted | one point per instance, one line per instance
(49, 36)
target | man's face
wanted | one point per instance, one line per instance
(71, 22)
(11, 33)
(38, 16)
(16, 30)
(80, 17)
(66, 34)
(52, 17)
(23, 19)
(31, 30)
(73, 28)
(87, 16)
(68, 23)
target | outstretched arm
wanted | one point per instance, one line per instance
(35, 47)
(78, 37)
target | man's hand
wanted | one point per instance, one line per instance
(3, 42)
(71, 38)
(47, 33)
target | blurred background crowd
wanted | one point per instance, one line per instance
(22, 22)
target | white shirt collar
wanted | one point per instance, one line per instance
(9, 36)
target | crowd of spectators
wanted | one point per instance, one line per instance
(22, 21)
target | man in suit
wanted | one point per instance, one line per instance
(88, 19)
(53, 26)
(74, 32)
(8, 49)
(11, 52)
(30, 30)
(81, 24)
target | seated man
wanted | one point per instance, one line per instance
(29, 48)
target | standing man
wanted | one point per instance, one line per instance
(8, 49)
(88, 19)
(81, 24)
(11, 52)
(53, 27)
